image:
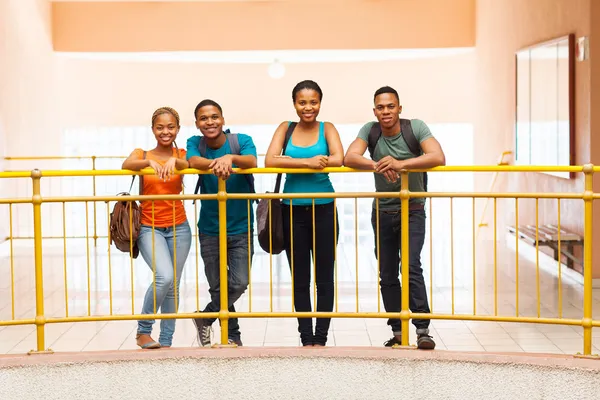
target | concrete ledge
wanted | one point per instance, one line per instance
(297, 373)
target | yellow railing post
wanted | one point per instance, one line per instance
(40, 319)
(404, 252)
(224, 311)
(94, 193)
(588, 198)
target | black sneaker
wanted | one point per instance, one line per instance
(424, 341)
(204, 332)
(237, 342)
(393, 341)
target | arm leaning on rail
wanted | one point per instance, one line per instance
(134, 163)
(433, 156)
(355, 159)
(222, 166)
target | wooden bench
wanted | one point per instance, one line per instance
(548, 236)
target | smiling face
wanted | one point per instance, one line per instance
(387, 110)
(165, 128)
(307, 103)
(210, 121)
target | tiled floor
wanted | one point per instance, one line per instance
(450, 335)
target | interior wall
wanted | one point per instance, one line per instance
(594, 109)
(27, 96)
(28, 99)
(503, 28)
(264, 25)
(113, 93)
(3, 83)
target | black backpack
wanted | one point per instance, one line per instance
(234, 146)
(407, 134)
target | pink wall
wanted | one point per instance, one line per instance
(3, 84)
(27, 80)
(101, 93)
(28, 98)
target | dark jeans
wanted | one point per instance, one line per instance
(324, 256)
(237, 274)
(389, 264)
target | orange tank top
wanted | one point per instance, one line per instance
(165, 213)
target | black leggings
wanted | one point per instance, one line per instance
(326, 238)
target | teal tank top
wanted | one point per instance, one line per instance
(308, 183)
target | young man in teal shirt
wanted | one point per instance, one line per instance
(391, 152)
(221, 152)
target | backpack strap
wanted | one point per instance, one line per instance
(202, 150)
(374, 135)
(234, 147)
(409, 137)
(234, 143)
(288, 135)
(413, 144)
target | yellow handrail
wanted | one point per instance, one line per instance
(405, 315)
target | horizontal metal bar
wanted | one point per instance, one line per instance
(16, 201)
(333, 195)
(15, 174)
(63, 237)
(17, 322)
(148, 171)
(76, 199)
(33, 158)
(457, 317)
(133, 317)
(379, 195)
(506, 195)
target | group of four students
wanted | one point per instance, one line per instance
(165, 236)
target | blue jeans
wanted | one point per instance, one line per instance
(238, 260)
(165, 239)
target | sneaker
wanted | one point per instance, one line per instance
(204, 332)
(393, 341)
(424, 341)
(237, 342)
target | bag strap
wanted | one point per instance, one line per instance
(407, 134)
(202, 150)
(234, 146)
(409, 137)
(141, 179)
(374, 135)
(288, 135)
(234, 143)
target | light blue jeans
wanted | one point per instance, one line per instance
(165, 240)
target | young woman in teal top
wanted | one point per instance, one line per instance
(315, 145)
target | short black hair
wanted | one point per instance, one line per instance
(204, 103)
(386, 89)
(307, 84)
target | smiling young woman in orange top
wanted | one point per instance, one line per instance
(164, 225)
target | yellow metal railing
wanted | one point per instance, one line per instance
(93, 164)
(405, 315)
